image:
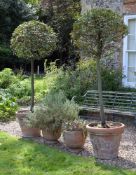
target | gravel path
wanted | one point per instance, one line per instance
(127, 153)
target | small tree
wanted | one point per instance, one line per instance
(98, 33)
(33, 40)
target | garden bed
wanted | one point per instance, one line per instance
(127, 153)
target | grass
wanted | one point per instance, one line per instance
(20, 157)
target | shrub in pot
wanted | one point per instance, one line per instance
(27, 130)
(48, 116)
(74, 129)
(75, 134)
(98, 33)
(33, 40)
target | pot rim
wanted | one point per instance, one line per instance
(106, 131)
(22, 111)
(73, 131)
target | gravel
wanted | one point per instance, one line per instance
(127, 151)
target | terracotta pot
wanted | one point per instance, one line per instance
(74, 139)
(51, 136)
(30, 132)
(21, 114)
(106, 141)
(26, 131)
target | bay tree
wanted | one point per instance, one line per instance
(98, 33)
(33, 40)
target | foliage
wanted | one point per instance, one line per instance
(70, 110)
(8, 106)
(98, 33)
(4, 50)
(7, 77)
(33, 39)
(73, 83)
(15, 12)
(77, 82)
(112, 79)
(24, 101)
(55, 109)
(76, 125)
(12, 13)
(23, 157)
(16, 85)
(34, 2)
(60, 15)
(49, 114)
(20, 89)
(7, 59)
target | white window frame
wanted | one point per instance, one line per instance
(125, 55)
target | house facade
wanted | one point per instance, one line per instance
(126, 58)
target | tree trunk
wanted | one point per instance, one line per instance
(32, 85)
(99, 79)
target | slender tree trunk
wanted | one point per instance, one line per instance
(102, 115)
(32, 85)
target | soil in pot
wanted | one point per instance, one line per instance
(106, 141)
(52, 136)
(26, 131)
(74, 139)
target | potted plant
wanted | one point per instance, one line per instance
(99, 33)
(27, 130)
(32, 40)
(75, 134)
(48, 116)
(74, 129)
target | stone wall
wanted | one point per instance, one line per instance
(122, 6)
(116, 5)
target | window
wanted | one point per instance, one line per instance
(129, 52)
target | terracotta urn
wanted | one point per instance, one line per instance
(50, 135)
(74, 139)
(26, 131)
(106, 141)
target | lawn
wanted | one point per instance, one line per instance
(21, 157)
